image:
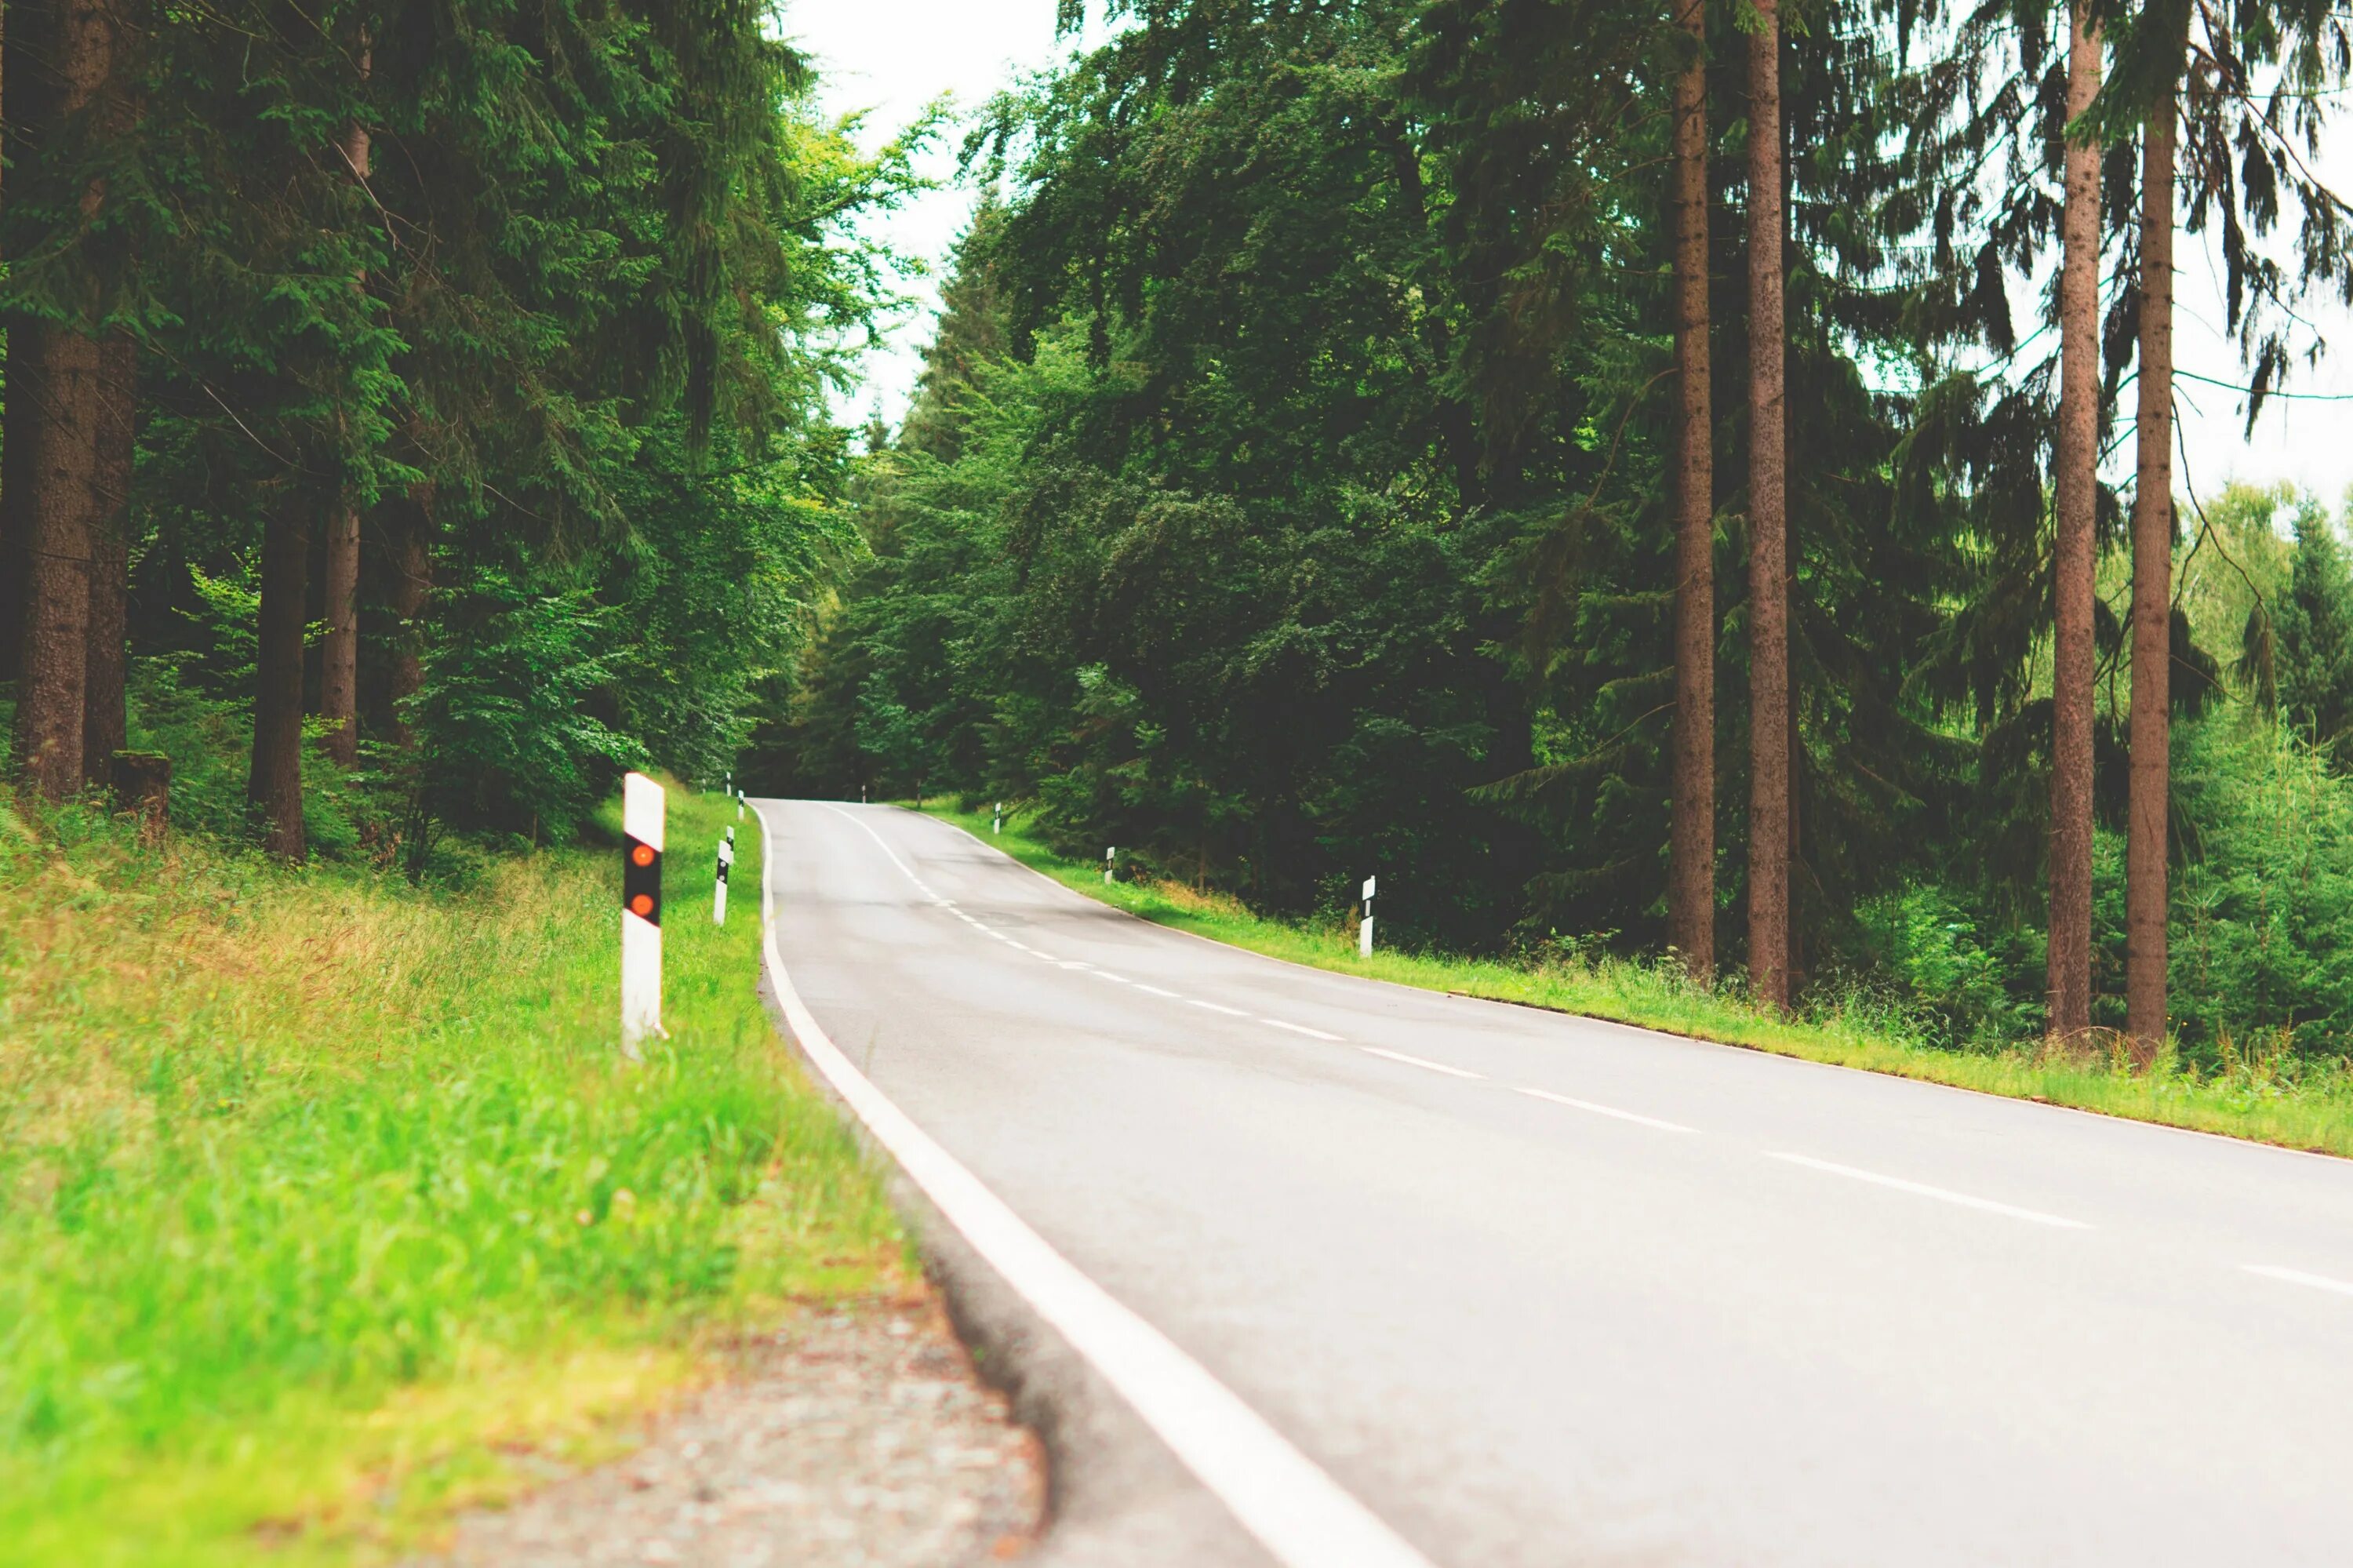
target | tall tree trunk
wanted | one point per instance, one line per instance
(53, 410)
(12, 547)
(1691, 853)
(13, 491)
(1768, 587)
(2070, 962)
(339, 685)
(2152, 612)
(63, 57)
(105, 722)
(275, 785)
(412, 581)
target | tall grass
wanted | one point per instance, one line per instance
(2259, 1091)
(319, 1193)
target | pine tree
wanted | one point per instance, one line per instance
(1691, 855)
(2149, 812)
(63, 104)
(2076, 488)
(1769, 720)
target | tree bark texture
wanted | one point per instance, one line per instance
(338, 686)
(1768, 606)
(275, 785)
(2070, 960)
(412, 582)
(1691, 854)
(105, 722)
(2152, 611)
(13, 491)
(62, 58)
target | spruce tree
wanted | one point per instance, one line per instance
(2076, 511)
(1691, 856)
(1769, 721)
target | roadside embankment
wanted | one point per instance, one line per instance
(328, 1208)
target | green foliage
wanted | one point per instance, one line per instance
(506, 727)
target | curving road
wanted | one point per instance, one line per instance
(1540, 1290)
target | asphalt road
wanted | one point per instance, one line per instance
(1540, 1290)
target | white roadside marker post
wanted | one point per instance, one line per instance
(739, 806)
(862, 794)
(642, 804)
(719, 886)
(1365, 931)
(1111, 861)
(996, 819)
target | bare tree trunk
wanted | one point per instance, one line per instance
(12, 548)
(1691, 853)
(1769, 589)
(61, 62)
(105, 722)
(2152, 612)
(54, 411)
(339, 685)
(412, 581)
(2070, 965)
(275, 785)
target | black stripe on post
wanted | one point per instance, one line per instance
(642, 879)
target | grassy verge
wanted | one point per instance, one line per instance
(323, 1198)
(2297, 1105)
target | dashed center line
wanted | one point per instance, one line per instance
(1921, 1189)
(2297, 1276)
(1607, 1110)
(1155, 990)
(1300, 1029)
(1420, 1062)
(1213, 1007)
(1106, 974)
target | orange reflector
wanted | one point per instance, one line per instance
(643, 854)
(642, 905)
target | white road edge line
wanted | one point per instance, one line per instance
(1922, 1189)
(1607, 1110)
(1299, 1513)
(2297, 1276)
(1216, 1007)
(1155, 990)
(1420, 1062)
(1303, 1029)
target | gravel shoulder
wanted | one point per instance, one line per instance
(840, 1439)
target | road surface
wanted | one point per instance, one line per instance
(1541, 1290)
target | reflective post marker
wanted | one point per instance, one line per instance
(1110, 858)
(739, 807)
(996, 819)
(641, 850)
(1365, 931)
(719, 888)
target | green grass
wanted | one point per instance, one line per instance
(322, 1197)
(2271, 1099)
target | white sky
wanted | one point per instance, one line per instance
(894, 57)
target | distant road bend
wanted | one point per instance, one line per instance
(1525, 1290)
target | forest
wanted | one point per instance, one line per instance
(417, 413)
(1695, 483)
